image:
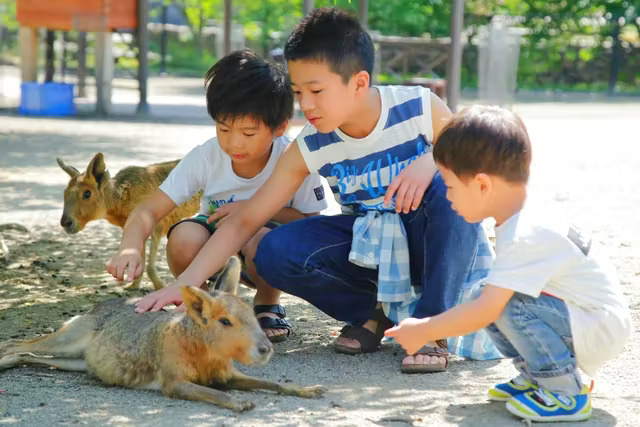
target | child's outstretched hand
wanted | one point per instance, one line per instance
(411, 183)
(409, 334)
(155, 301)
(127, 261)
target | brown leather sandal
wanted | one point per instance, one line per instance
(369, 341)
(442, 350)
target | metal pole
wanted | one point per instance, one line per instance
(227, 26)
(308, 6)
(143, 55)
(455, 55)
(363, 12)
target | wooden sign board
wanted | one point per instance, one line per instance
(79, 15)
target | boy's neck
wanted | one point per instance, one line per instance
(365, 116)
(509, 201)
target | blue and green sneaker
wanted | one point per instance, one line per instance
(543, 405)
(504, 391)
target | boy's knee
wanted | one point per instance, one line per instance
(271, 255)
(184, 243)
(511, 315)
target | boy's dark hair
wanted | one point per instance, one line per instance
(485, 139)
(331, 35)
(243, 84)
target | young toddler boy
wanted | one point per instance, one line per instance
(549, 303)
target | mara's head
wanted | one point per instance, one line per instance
(84, 196)
(227, 326)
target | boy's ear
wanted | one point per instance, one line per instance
(281, 129)
(484, 182)
(201, 307)
(361, 80)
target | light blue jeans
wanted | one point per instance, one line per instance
(536, 334)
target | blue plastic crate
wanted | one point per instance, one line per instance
(47, 99)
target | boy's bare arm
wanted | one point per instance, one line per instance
(440, 115)
(462, 319)
(237, 229)
(136, 231)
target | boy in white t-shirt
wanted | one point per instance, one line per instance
(251, 102)
(549, 304)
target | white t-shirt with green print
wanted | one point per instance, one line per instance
(208, 168)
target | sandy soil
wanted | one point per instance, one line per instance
(585, 166)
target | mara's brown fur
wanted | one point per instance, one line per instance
(181, 354)
(94, 195)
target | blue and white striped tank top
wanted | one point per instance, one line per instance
(360, 170)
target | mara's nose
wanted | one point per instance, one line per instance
(65, 221)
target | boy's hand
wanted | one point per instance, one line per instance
(221, 213)
(411, 183)
(155, 301)
(129, 260)
(410, 334)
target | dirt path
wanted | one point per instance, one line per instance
(585, 166)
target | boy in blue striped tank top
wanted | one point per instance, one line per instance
(398, 250)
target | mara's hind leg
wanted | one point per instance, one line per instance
(16, 359)
(153, 255)
(69, 342)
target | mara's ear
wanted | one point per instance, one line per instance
(70, 170)
(98, 170)
(201, 307)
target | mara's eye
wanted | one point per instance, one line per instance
(225, 321)
(86, 195)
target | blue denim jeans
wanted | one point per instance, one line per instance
(536, 334)
(308, 258)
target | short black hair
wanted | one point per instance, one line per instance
(331, 35)
(485, 139)
(243, 84)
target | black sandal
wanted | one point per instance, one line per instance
(279, 322)
(369, 341)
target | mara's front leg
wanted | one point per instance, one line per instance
(136, 283)
(190, 391)
(240, 381)
(152, 274)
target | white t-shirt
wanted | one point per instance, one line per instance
(559, 260)
(208, 168)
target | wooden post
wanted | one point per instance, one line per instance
(104, 71)
(143, 56)
(82, 64)
(615, 55)
(363, 13)
(455, 55)
(28, 40)
(49, 56)
(227, 26)
(307, 7)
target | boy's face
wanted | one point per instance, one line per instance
(467, 197)
(245, 139)
(324, 98)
